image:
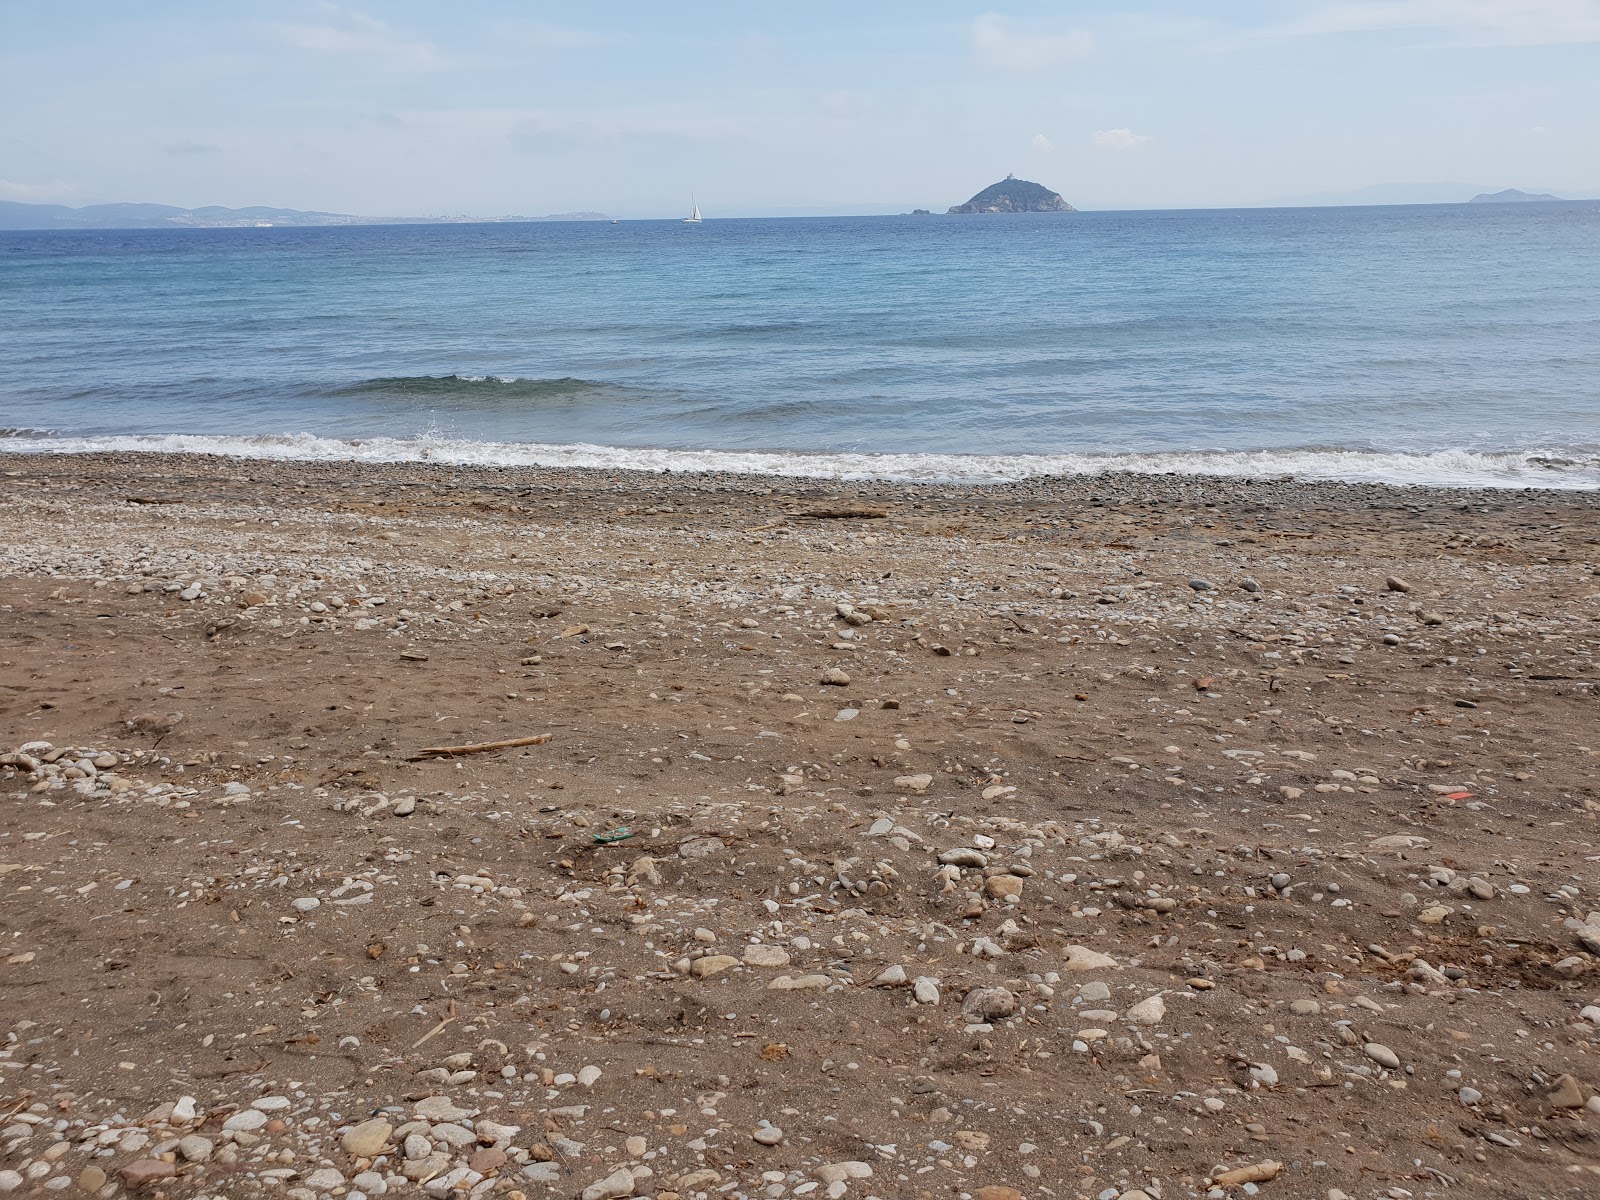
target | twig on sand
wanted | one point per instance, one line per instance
(477, 747)
(450, 1015)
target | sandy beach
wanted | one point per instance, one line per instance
(1133, 836)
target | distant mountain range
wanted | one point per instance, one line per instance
(1512, 196)
(15, 215)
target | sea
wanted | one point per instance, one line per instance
(1454, 345)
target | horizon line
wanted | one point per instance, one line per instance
(607, 218)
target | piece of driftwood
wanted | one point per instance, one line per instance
(450, 1015)
(477, 748)
(844, 514)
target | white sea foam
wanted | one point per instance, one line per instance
(1562, 469)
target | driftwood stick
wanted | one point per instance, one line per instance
(477, 748)
(450, 1015)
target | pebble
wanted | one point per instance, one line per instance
(1396, 843)
(486, 1160)
(701, 848)
(767, 1135)
(441, 1109)
(985, 1004)
(1260, 1172)
(245, 1121)
(1567, 1093)
(799, 983)
(1382, 1055)
(840, 1172)
(1149, 1011)
(964, 856)
(615, 1185)
(1081, 958)
(1003, 887)
(142, 1172)
(712, 964)
(367, 1139)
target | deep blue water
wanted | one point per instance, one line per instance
(1448, 343)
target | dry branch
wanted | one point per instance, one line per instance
(477, 748)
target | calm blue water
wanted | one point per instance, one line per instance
(1441, 343)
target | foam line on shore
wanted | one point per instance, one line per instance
(1559, 469)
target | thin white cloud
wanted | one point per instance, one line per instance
(1002, 48)
(552, 37)
(1042, 144)
(34, 193)
(1467, 22)
(192, 149)
(347, 32)
(1119, 139)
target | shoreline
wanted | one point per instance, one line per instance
(1480, 471)
(1111, 832)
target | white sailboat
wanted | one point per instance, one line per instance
(694, 217)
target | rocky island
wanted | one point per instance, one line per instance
(1013, 195)
(1512, 196)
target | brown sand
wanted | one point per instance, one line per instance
(1190, 780)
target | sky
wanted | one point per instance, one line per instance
(492, 107)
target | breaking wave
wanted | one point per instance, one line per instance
(478, 387)
(1566, 470)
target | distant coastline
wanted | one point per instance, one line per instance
(15, 215)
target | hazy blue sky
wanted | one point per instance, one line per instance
(495, 106)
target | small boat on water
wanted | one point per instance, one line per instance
(694, 217)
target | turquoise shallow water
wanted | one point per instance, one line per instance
(1440, 344)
